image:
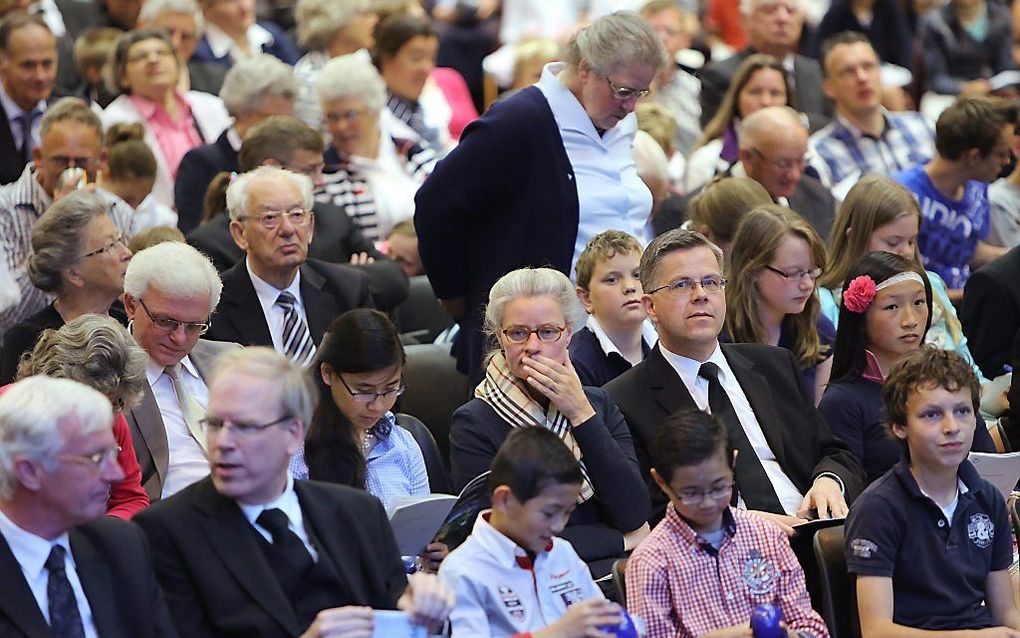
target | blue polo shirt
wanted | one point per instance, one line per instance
(938, 569)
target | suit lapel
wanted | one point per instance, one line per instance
(242, 307)
(231, 536)
(667, 387)
(756, 389)
(323, 521)
(147, 427)
(16, 600)
(320, 305)
(95, 580)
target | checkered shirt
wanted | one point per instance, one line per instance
(682, 587)
(842, 153)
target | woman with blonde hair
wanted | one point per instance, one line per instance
(879, 214)
(760, 81)
(717, 211)
(775, 261)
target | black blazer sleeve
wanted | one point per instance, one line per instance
(990, 315)
(475, 436)
(18, 340)
(193, 177)
(714, 82)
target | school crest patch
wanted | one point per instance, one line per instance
(980, 530)
(512, 602)
(758, 573)
(863, 548)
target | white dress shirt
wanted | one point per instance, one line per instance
(31, 552)
(648, 335)
(274, 314)
(789, 496)
(14, 111)
(288, 504)
(188, 462)
(610, 194)
(221, 44)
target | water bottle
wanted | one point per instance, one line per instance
(765, 621)
(629, 627)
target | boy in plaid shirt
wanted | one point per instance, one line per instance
(707, 565)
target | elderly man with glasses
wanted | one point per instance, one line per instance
(276, 296)
(170, 290)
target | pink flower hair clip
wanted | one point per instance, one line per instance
(859, 294)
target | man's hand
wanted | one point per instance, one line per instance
(583, 620)
(826, 498)
(784, 522)
(341, 622)
(426, 600)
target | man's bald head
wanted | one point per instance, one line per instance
(765, 126)
(773, 143)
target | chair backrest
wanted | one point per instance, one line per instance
(434, 390)
(620, 580)
(439, 478)
(420, 316)
(998, 431)
(839, 600)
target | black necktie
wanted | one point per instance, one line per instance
(285, 541)
(752, 481)
(65, 620)
(26, 120)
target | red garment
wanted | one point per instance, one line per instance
(726, 22)
(127, 497)
(455, 90)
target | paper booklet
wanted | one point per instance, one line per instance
(420, 520)
(1001, 470)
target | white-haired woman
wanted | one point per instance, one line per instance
(145, 69)
(80, 256)
(550, 166)
(370, 172)
(529, 381)
(328, 29)
(183, 20)
(98, 352)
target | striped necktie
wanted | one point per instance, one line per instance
(191, 410)
(297, 340)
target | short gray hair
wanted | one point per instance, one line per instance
(747, 6)
(249, 81)
(152, 9)
(71, 109)
(30, 415)
(94, 350)
(175, 269)
(670, 241)
(351, 76)
(622, 38)
(298, 394)
(237, 192)
(56, 238)
(531, 282)
(319, 20)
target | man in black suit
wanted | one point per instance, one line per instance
(287, 142)
(253, 90)
(28, 70)
(773, 27)
(276, 296)
(789, 464)
(68, 570)
(991, 313)
(252, 553)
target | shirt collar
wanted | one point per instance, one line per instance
(648, 335)
(11, 107)
(688, 368)
(29, 193)
(234, 138)
(857, 133)
(966, 474)
(569, 112)
(499, 545)
(680, 526)
(287, 502)
(267, 292)
(30, 550)
(148, 108)
(221, 44)
(381, 431)
(153, 370)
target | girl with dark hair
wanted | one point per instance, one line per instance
(884, 314)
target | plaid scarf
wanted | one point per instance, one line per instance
(506, 395)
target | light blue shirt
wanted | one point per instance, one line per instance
(610, 195)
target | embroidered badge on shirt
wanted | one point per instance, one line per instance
(758, 573)
(981, 530)
(863, 548)
(512, 602)
(568, 592)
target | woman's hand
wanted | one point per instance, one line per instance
(559, 383)
(432, 556)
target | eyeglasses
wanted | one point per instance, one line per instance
(624, 93)
(695, 496)
(333, 117)
(709, 284)
(271, 219)
(546, 334)
(308, 169)
(95, 460)
(171, 325)
(796, 275)
(783, 165)
(214, 424)
(142, 56)
(368, 397)
(117, 241)
(64, 163)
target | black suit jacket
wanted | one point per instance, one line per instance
(206, 76)
(796, 432)
(115, 567)
(991, 312)
(327, 291)
(807, 95)
(11, 162)
(198, 168)
(218, 582)
(336, 238)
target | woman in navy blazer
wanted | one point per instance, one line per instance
(231, 33)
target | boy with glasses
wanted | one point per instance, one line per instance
(707, 565)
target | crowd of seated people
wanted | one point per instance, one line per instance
(711, 270)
